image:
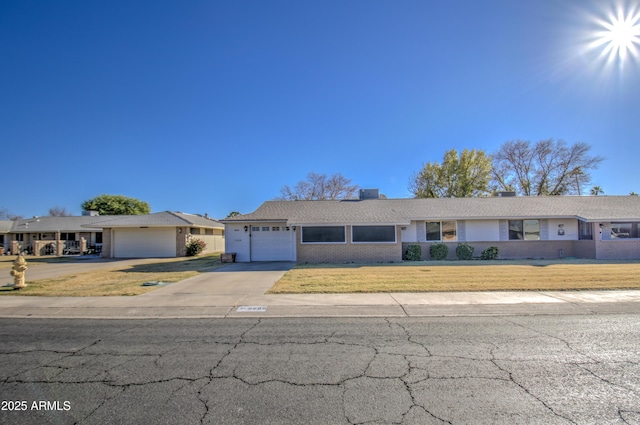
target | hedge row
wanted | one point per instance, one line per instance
(440, 251)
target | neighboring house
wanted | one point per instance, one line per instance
(163, 234)
(52, 235)
(5, 228)
(380, 230)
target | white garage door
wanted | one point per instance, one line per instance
(272, 243)
(151, 242)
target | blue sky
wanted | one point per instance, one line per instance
(213, 106)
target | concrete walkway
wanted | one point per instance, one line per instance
(238, 290)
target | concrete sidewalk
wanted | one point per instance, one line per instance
(238, 290)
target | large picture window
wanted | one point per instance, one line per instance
(441, 231)
(528, 230)
(323, 234)
(624, 230)
(371, 234)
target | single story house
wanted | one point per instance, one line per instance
(370, 229)
(51, 235)
(163, 234)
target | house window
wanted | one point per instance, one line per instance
(98, 237)
(275, 229)
(67, 236)
(624, 230)
(208, 232)
(255, 229)
(524, 230)
(194, 231)
(441, 231)
(265, 229)
(585, 231)
(364, 234)
(323, 234)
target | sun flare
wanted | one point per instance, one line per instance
(618, 36)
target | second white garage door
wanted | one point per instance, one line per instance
(272, 243)
(148, 242)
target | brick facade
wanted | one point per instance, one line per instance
(349, 252)
(519, 249)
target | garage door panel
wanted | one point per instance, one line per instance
(272, 245)
(148, 242)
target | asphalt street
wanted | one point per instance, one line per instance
(542, 369)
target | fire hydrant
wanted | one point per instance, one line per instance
(18, 272)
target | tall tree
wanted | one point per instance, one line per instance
(320, 187)
(547, 167)
(596, 190)
(458, 176)
(59, 212)
(116, 205)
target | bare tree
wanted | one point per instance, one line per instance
(547, 167)
(59, 212)
(5, 214)
(319, 187)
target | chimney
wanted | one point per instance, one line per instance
(504, 194)
(369, 194)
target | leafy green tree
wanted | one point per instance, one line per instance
(116, 205)
(233, 214)
(458, 176)
(596, 190)
(547, 167)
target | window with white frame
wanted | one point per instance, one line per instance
(441, 231)
(528, 230)
(323, 234)
(629, 230)
(373, 234)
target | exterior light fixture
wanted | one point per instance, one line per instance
(246, 228)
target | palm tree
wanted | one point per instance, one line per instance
(597, 190)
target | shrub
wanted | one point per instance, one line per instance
(438, 251)
(414, 253)
(490, 253)
(464, 251)
(195, 247)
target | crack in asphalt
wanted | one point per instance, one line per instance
(373, 367)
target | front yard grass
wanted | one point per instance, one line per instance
(122, 281)
(436, 276)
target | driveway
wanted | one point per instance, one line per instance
(41, 269)
(233, 279)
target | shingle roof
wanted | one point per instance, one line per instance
(402, 211)
(160, 219)
(48, 224)
(5, 226)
